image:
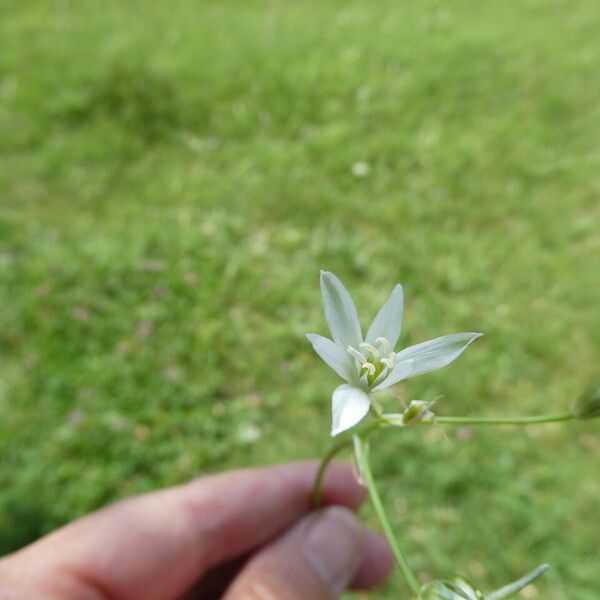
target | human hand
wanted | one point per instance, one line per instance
(241, 535)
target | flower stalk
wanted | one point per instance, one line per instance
(365, 469)
(325, 461)
(532, 420)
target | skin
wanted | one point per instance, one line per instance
(241, 535)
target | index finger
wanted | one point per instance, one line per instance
(157, 545)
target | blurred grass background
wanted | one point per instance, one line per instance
(173, 175)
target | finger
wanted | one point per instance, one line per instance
(157, 545)
(214, 582)
(376, 565)
(374, 568)
(316, 559)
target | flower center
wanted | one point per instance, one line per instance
(373, 360)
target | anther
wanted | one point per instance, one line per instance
(357, 355)
(370, 367)
(371, 350)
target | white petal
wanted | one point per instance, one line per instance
(436, 353)
(335, 356)
(349, 406)
(340, 311)
(402, 370)
(388, 321)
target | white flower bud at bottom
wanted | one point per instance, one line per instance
(456, 588)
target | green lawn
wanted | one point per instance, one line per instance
(173, 175)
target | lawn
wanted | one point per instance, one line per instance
(173, 175)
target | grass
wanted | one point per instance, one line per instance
(173, 177)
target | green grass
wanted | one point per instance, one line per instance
(173, 175)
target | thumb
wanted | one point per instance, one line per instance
(315, 559)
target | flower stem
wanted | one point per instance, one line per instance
(503, 420)
(318, 485)
(363, 461)
(363, 430)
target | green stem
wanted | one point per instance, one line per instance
(363, 430)
(318, 485)
(365, 469)
(503, 421)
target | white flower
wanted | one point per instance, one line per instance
(370, 364)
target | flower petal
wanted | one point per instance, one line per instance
(349, 406)
(402, 370)
(436, 353)
(388, 321)
(340, 311)
(335, 356)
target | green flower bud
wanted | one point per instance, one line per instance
(417, 411)
(587, 406)
(455, 588)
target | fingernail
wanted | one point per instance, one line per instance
(332, 543)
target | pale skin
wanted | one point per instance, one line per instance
(240, 535)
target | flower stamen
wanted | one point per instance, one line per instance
(371, 350)
(383, 344)
(371, 364)
(390, 360)
(357, 355)
(370, 367)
